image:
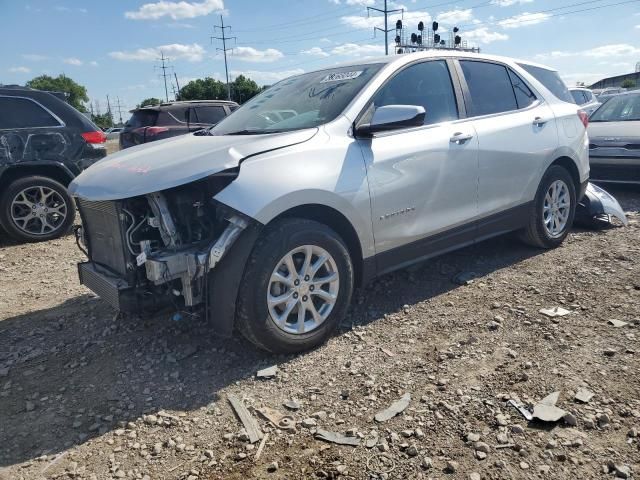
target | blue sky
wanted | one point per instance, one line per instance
(112, 46)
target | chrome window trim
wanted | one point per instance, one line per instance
(61, 124)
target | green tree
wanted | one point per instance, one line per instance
(204, 89)
(76, 93)
(149, 102)
(243, 88)
(628, 83)
(104, 121)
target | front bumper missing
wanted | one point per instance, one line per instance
(190, 267)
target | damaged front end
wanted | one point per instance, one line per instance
(156, 251)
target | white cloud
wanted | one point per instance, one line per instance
(180, 25)
(364, 3)
(637, 26)
(358, 50)
(175, 10)
(508, 3)
(76, 62)
(19, 70)
(524, 20)
(604, 51)
(484, 36)
(93, 63)
(250, 54)
(315, 52)
(267, 78)
(175, 51)
(408, 18)
(33, 57)
(454, 17)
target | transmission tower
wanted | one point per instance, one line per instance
(109, 109)
(177, 84)
(119, 109)
(164, 67)
(224, 49)
(386, 12)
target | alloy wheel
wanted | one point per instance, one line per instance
(38, 210)
(556, 208)
(303, 289)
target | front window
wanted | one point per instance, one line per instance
(623, 108)
(304, 101)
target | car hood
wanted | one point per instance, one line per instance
(173, 162)
(614, 132)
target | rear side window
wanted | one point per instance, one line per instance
(490, 87)
(524, 95)
(210, 115)
(24, 113)
(143, 118)
(578, 96)
(175, 117)
(425, 84)
(551, 80)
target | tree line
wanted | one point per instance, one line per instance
(241, 89)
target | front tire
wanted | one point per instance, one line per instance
(35, 209)
(553, 210)
(296, 287)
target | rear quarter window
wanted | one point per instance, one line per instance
(551, 80)
(143, 118)
(24, 113)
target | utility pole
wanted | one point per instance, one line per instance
(177, 84)
(386, 29)
(173, 89)
(109, 109)
(164, 68)
(119, 109)
(224, 49)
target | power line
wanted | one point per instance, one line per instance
(224, 49)
(386, 30)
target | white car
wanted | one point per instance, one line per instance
(267, 225)
(585, 99)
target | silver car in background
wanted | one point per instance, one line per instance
(267, 223)
(614, 135)
(585, 99)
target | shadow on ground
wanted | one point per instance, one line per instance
(72, 372)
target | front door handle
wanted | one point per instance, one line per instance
(539, 121)
(460, 138)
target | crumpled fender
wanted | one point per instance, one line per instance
(596, 203)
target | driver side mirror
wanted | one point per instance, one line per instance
(393, 117)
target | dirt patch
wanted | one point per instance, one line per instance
(84, 394)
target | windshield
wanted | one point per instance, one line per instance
(304, 101)
(622, 108)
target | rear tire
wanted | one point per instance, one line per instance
(36, 209)
(550, 218)
(285, 305)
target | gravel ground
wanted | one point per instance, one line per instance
(87, 395)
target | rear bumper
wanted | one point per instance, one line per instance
(618, 170)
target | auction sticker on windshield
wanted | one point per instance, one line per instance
(338, 77)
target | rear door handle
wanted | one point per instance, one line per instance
(460, 138)
(539, 121)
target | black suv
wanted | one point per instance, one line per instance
(44, 144)
(148, 124)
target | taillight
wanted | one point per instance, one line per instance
(584, 117)
(151, 131)
(94, 137)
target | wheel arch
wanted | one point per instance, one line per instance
(54, 171)
(341, 225)
(570, 165)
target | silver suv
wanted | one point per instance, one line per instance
(267, 221)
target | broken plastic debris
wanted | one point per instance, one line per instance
(396, 408)
(618, 323)
(277, 419)
(268, 372)
(584, 395)
(523, 411)
(338, 438)
(546, 409)
(554, 312)
(249, 423)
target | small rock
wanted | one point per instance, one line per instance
(517, 429)
(583, 395)
(618, 323)
(622, 471)
(633, 433)
(502, 420)
(268, 372)
(603, 420)
(473, 437)
(482, 447)
(292, 404)
(570, 419)
(493, 325)
(157, 449)
(474, 476)
(480, 455)
(502, 438)
(524, 465)
(609, 352)
(309, 423)
(30, 406)
(427, 463)
(240, 456)
(150, 419)
(412, 451)
(451, 467)
(273, 466)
